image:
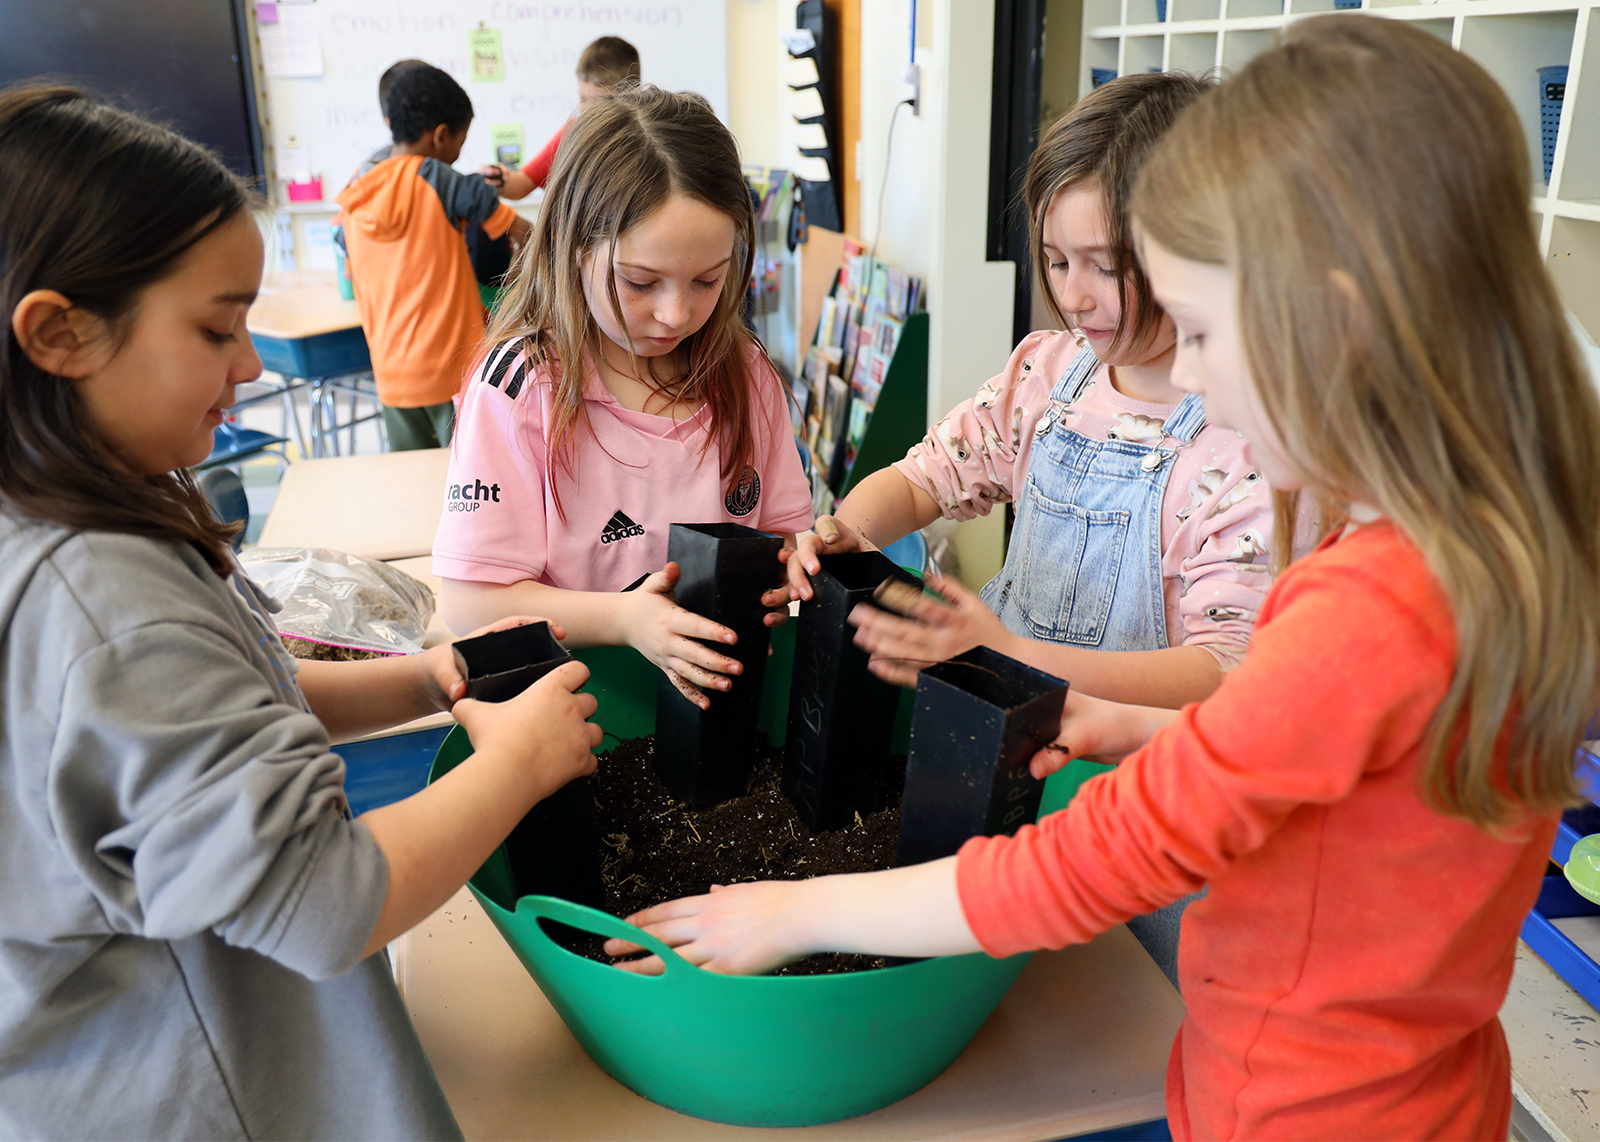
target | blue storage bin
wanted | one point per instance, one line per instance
(1552, 93)
(1099, 75)
(1161, 11)
(1346, 5)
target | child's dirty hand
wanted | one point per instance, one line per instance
(927, 630)
(777, 600)
(740, 929)
(1098, 730)
(828, 536)
(669, 636)
(440, 670)
(545, 730)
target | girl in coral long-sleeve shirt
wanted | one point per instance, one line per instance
(1371, 796)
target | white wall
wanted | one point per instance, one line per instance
(934, 219)
(969, 298)
(756, 105)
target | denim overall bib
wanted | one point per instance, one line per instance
(1084, 565)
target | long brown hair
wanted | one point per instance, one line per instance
(98, 205)
(1102, 142)
(1369, 186)
(620, 159)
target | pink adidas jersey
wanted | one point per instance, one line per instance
(632, 476)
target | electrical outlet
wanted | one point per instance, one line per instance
(913, 76)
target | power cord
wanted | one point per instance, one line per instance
(883, 183)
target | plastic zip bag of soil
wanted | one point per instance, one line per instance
(338, 606)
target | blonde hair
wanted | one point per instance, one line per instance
(620, 159)
(1101, 143)
(1370, 187)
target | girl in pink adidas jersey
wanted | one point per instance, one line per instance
(621, 394)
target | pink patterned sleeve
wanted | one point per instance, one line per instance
(1220, 559)
(974, 457)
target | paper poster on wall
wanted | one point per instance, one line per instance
(507, 139)
(487, 60)
(292, 46)
(318, 254)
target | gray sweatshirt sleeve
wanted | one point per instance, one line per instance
(466, 197)
(191, 795)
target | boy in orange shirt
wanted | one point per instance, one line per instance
(402, 222)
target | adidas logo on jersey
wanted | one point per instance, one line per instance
(618, 527)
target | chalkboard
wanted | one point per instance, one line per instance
(683, 46)
(176, 61)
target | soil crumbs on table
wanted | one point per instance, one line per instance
(657, 849)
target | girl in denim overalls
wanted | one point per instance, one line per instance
(1143, 539)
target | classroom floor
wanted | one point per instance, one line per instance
(260, 475)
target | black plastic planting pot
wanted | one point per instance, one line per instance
(705, 756)
(502, 664)
(555, 849)
(979, 719)
(841, 715)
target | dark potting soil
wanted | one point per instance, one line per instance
(657, 849)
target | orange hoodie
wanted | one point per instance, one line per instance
(1344, 974)
(403, 222)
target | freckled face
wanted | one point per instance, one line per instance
(1203, 302)
(670, 268)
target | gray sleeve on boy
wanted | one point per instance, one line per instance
(466, 197)
(192, 796)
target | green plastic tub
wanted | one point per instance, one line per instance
(750, 1051)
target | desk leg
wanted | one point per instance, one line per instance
(292, 415)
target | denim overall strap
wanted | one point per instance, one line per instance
(1084, 565)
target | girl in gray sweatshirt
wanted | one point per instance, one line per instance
(188, 912)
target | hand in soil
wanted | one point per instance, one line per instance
(668, 636)
(656, 849)
(930, 631)
(545, 730)
(828, 536)
(738, 929)
(440, 670)
(1098, 730)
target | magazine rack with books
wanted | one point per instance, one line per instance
(861, 399)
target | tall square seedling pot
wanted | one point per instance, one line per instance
(705, 756)
(841, 715)
(555, 849)
(979, 719)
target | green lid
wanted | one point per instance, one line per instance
(1583, 868)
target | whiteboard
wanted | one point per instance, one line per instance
(683, 46)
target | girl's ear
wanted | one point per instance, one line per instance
(59, 337)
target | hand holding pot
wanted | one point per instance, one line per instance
(667, 634)
(829, 536)
(440, 671)
(740, 929)
(545, 729)
(777, 600)
(1098, 730)
(930, 631)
